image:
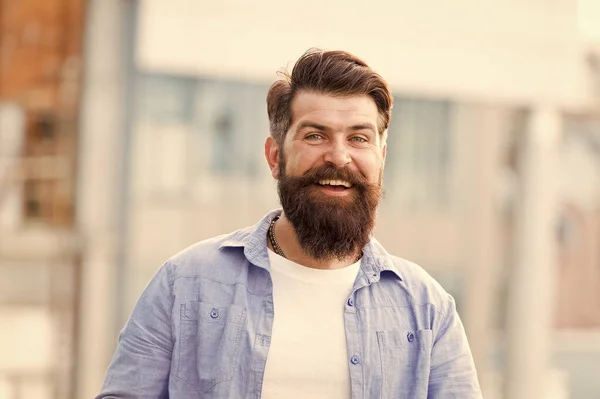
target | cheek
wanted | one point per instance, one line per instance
(372, 169)
(300, 162)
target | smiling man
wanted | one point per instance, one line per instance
(306, 303)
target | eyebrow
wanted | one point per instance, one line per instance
(364, 126)
(312, 125)
(317, 126)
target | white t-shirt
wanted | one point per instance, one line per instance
(308, 357)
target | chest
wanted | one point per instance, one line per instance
(375, 342)
(308, 348)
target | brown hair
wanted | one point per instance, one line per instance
(329, 72)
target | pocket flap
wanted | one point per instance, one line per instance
(405, 339)
(195, 310)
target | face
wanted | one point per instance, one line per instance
(329, 169)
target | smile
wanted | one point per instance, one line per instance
(335, 183)
(335, 187)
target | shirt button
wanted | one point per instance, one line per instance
(350, 302)
(214, 313)
(410, 336)
(354, 359)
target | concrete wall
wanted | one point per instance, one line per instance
(490, 58)
(502, 50)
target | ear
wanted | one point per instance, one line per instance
(272, 156)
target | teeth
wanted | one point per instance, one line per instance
(335, 183)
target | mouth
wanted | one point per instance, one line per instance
(335, 187)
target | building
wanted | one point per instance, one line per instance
(40, 61)
(494, 115)
(485, 96)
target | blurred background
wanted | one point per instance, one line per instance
(132, 129)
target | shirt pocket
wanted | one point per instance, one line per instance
(405, 362)
(209, 343)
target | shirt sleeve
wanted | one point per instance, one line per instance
(453, 373)
(142, 361)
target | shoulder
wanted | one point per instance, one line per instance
(411, 283)
(420, 285)
(217, 257)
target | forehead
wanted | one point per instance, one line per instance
(333, 110)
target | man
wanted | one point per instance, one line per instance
(305, 304)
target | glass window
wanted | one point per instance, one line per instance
(189, 131)
(418, 166)
(165, 99)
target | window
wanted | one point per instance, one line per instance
(418, 166)
(190, 132)
(231, 121)
(164, 99)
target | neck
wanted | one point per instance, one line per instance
(288, 241)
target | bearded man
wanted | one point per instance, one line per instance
(306, 303)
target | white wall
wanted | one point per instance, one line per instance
(499, 50)
(578, 159)
(26, 349)
(12, 134)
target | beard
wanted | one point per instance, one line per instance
(329, 227)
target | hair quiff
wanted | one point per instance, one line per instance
(336, 73)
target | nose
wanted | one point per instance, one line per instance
(337, 154)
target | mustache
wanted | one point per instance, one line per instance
(328, 172)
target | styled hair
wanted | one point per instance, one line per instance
(336, 73)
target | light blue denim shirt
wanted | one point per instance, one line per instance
(202, 328)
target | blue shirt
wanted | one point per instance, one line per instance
(202, 328)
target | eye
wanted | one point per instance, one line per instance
(314, 137)
(359, 139)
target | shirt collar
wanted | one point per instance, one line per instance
(254, 242)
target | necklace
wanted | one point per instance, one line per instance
(277, 248)
(272, 238)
